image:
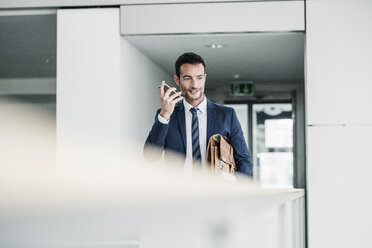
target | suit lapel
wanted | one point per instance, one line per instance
(210, 119)
(181, 123)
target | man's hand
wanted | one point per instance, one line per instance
(168, 102)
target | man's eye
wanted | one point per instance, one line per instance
(200, 78)
(186, 79)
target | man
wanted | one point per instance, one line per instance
(185, 124)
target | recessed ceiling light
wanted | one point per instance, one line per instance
(216, 46)
(236, 76)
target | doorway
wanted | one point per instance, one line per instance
(272, 154)
(273, 63)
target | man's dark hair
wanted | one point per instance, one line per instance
(188, 58)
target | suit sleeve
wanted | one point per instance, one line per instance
(241, 154)
(155, 142)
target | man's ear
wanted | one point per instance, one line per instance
(177, 80)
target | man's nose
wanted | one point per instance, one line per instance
(193, 82)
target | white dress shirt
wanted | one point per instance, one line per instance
(202, 118)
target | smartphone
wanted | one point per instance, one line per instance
(166, 87)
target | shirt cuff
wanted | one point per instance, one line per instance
(162, 119)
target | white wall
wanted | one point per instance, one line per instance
(140, 98)
(339, 123)
(88, 78)
(212, 17)
(107, 91)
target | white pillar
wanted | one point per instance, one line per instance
(339, 123)
(88, 80)
(107, 90)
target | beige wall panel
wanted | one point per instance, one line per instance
(212, 17)
(339, 52)
(140, 97)
(339, 199)
(88, 80)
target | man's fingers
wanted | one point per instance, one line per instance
(176, 100)
(168, 92)
(175, 95)
(162, 88)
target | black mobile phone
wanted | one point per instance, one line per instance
(166, 87)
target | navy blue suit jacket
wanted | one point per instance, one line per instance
(220, 120)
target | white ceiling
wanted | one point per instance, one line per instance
(260, 57)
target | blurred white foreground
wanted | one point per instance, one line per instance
(107, 196)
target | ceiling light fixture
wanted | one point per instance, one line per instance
(216, 46)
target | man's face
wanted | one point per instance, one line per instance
(192, 82)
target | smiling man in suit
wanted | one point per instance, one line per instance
(184, 124)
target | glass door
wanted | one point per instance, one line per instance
(272, 140)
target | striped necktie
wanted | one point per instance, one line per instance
(195, 136)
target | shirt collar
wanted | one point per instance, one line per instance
(202, 106)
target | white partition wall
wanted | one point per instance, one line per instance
(339, 123)
(139, 94)
(88, 79)
(212, 17)
(339, 186)
(107, 90)
(339, 53)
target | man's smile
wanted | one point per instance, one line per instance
(193, 91)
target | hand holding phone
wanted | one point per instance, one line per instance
(167, 87)
(169, 97)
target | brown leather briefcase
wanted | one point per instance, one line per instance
(220, 154)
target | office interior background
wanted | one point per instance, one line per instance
(296, 72)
